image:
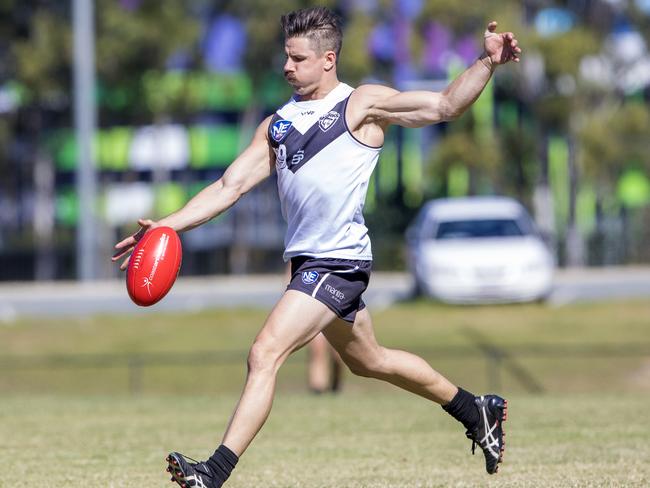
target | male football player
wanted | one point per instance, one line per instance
(323, 145)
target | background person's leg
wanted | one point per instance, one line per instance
(324, 366)
(357, 346)
(337, 367)
(318, 364)
(294, 321)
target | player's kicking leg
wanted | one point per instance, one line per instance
(294, 321)
(481, 416)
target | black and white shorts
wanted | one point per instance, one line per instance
(338, 283)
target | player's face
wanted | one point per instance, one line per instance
(304, 67)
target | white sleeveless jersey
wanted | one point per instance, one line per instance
(323, 174)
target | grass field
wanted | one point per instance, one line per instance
(353, 440)
(78, 427)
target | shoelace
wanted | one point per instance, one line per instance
(196, 463)
(191, 459)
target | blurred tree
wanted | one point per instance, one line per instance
(559, 112)
(614, 138)
(355, 63)
(640, 17)
(518, 170)
(265, 52)
(560, 54)
(472, 15)
(460, 148)
(615, 153)
(132, 37)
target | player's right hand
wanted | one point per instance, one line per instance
(500, 47)
(126, 246)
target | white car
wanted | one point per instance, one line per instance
(479, 250)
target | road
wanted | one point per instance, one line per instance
(192, 294)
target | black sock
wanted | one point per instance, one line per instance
(463, 409)
(221, 463)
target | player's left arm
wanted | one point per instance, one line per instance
(419, 108)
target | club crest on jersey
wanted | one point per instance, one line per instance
(280, 129)
(328, 120)
(309, 277)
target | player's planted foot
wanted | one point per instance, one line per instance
(488, 434)
(202, 474)
(193, 474)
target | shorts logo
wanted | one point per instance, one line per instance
(328, 120)
(309, 277)
(338, 295)
(280, 129)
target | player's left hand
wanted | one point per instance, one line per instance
(500, 47)
(125, 247)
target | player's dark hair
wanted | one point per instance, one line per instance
(319, 24)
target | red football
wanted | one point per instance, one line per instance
(153, 266)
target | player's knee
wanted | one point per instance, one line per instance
(369, 366)
(261, 358)
(359, 369)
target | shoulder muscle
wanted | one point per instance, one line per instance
(363, 101)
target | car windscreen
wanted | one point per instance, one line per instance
(468, 229)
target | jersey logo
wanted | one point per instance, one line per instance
(280, 129)
(309, 277)
(281, 156)
(299, 156)
(328, 120)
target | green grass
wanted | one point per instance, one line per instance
(78, 427)
(354, 440)
(443, 335)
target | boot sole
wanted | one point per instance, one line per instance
(174, 468)
(504, 417)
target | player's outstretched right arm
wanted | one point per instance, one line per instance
(251, 167)
(382, 106)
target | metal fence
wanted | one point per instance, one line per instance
(513, 361)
